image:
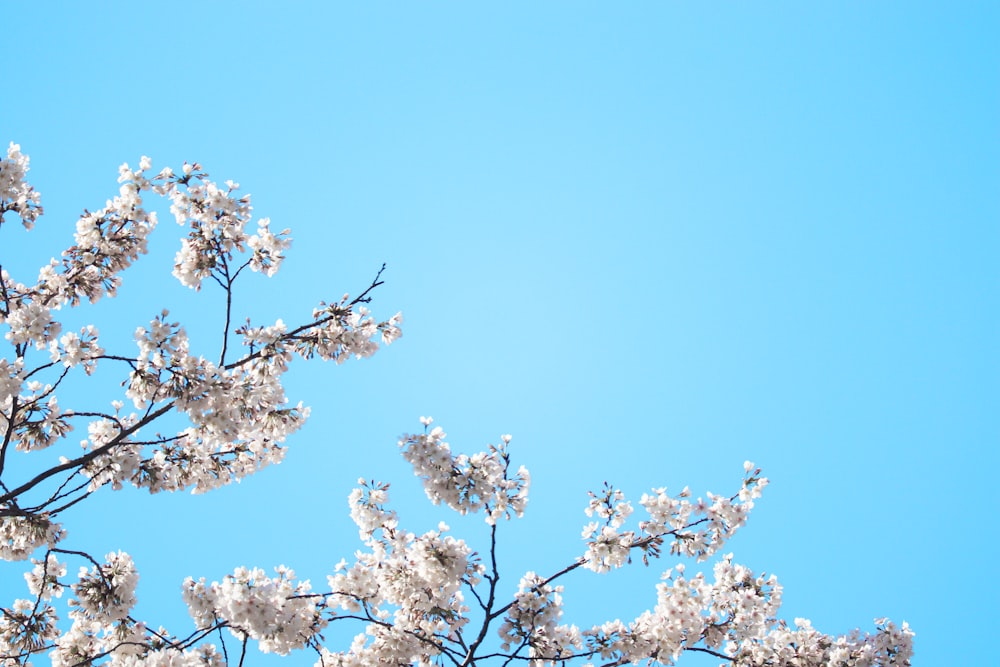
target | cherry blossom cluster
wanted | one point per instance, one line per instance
(673, 518)
(222, 445)
(99, 606)
(217, 218)
(800, 644)
(533, 622)
(21, 534)
(276, 611)
(467, 483)
(16, 195)
(43, 423)
(105, 593)
(694, 615)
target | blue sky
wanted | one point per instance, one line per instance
(649, 241)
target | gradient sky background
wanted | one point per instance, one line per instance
(649, 240)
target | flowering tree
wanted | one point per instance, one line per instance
(424, 599)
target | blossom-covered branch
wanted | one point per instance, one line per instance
(237, 413)
(200, 419)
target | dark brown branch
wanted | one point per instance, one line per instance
(86, 458)
(493, 578)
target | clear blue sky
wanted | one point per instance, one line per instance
(650, 241)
